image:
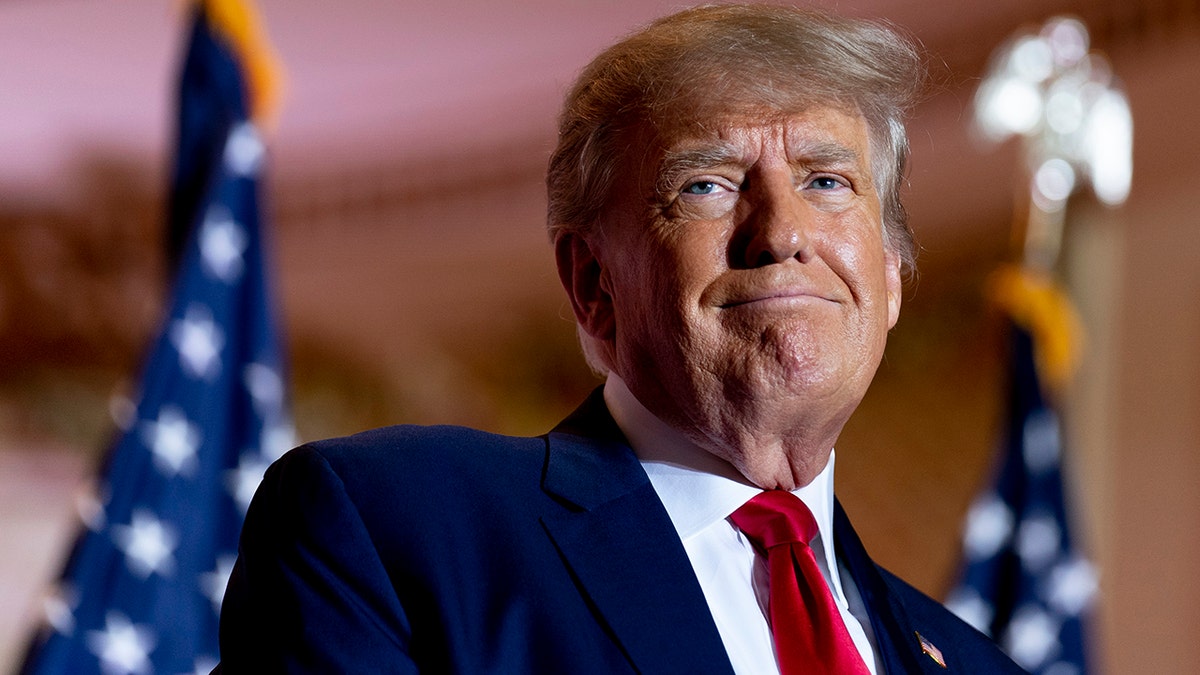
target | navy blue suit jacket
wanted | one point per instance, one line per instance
(443, 549)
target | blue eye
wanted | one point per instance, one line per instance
(824, 183)
(702, 187)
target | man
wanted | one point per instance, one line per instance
(725, 215)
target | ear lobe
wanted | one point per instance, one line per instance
(582, 276)
(894, 287)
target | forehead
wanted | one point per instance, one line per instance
(827, 134)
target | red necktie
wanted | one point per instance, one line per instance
(809, 634)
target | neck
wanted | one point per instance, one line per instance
(778, 467)
(767, 461)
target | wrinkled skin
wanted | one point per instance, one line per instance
(741, 286)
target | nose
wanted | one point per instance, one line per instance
(777, 228)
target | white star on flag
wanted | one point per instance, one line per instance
(244, 150)
(222, 243)
(148, 545)
(1038, 540)
(277, 439)
(199, 342)
(173, 440)
(213, 583)
(59, 606)
(123, 648)
(1042, 441)
(1032, 637)
(265, 387)
(1073, 586)
(204, 665)
(243, 481)
(90, 508)
(989, 525)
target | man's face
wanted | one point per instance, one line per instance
(750, 288)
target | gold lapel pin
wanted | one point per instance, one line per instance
(930, 650)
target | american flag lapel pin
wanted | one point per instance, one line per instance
(930, 650)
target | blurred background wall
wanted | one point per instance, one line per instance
(418, 284)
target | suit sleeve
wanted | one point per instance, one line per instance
(309, 593)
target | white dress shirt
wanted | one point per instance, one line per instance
(700, 491)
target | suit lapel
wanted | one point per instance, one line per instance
(618, 541)
(898, 639)
(616, 538)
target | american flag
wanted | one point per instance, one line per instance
(142, 587)
(1024, 582)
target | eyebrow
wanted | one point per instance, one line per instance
(676, 163)
(827, 154)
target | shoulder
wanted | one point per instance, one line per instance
(407, 437)
(395, 472)
(958, 640)
(422, 448)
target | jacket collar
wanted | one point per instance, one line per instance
(898, 638)
(616, 537)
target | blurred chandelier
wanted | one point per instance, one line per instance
(1047, 88)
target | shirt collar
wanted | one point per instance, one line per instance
(698, 488)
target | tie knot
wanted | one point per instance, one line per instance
(776, 517)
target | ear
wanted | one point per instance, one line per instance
(582, 275)
(894, 285)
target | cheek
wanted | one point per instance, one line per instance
(861, 263)
(678, 271)
(650, 298)
(864, 269)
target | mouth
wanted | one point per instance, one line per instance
(780, 298)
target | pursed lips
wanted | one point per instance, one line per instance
(775, 287)
(775, 295)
